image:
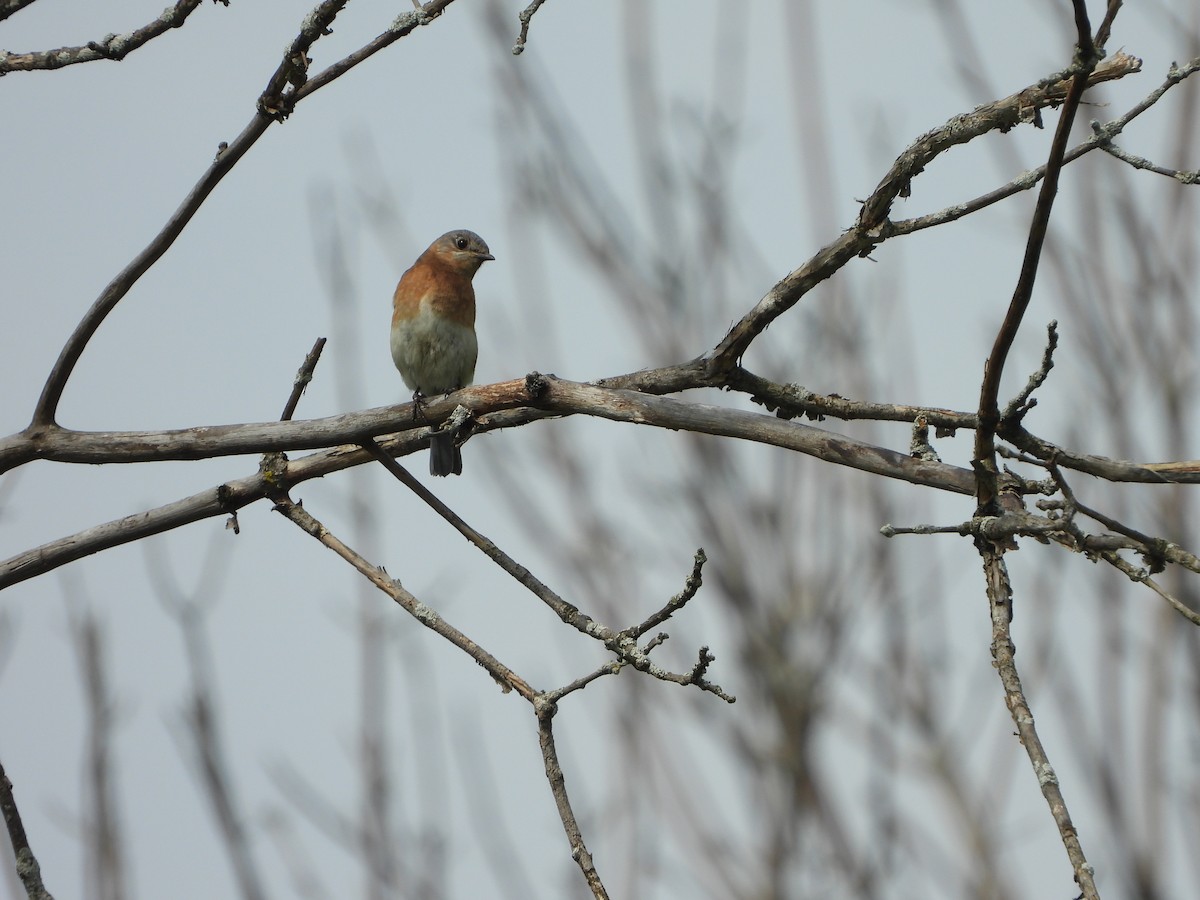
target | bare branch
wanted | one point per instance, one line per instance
(303, 377)
(558, 787)
(503, 676)
(274, 102)
(993, 368)
(999, 592)
(227, 498)
(789, 401)
(1022, 403)
(526, 16)
(693, 584)
(622, 643)
(113, 46)
(1105, 29)
(1142, 576)
(8, 7)
(293, 70)
(1140, 162)
(547, 394)
(872, 226)
(28, 869)
(1029, 179)
(665, 412)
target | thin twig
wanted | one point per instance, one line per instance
(872, 227)
(622, 643)
(28, 869)
(999, 592)
(303, 377)
(1140, 162)
(112, 46)
(558, 787)
(1142, 576)
(1157, 551)
(1021, 404)
(560, 607)
(1105, 29)
(609, 668)
(47, 405)
(993, 369)
(430, 618)
(691, 586)
(526, 16)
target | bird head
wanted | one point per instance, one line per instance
(462, 250)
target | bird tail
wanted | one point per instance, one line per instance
(445, 456)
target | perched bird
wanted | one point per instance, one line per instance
(433, 329)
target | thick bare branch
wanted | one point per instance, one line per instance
(225, 499)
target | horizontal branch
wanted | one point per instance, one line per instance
(1100, 466)
(569, 397)
(60, 444)
(790, 401)
(499, 406)
(558, 398)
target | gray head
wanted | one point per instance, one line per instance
(462, 250)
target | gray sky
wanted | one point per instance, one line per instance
(96, 158)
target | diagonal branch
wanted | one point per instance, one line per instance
(558, 787)
(1102, 135)
(28, 869)
(872, 227)
(999, 586)
(525, 17)
(8, 7)
(273, 102)
(999, 592)
(622, 643)
(504, 676)
(113, 46)
(993, 369)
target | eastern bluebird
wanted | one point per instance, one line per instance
(433, 329)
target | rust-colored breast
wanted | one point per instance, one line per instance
(447, 293)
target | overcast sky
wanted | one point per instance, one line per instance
(97, 156)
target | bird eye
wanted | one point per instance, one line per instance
(461, 243)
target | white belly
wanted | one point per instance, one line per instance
(434, 356)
